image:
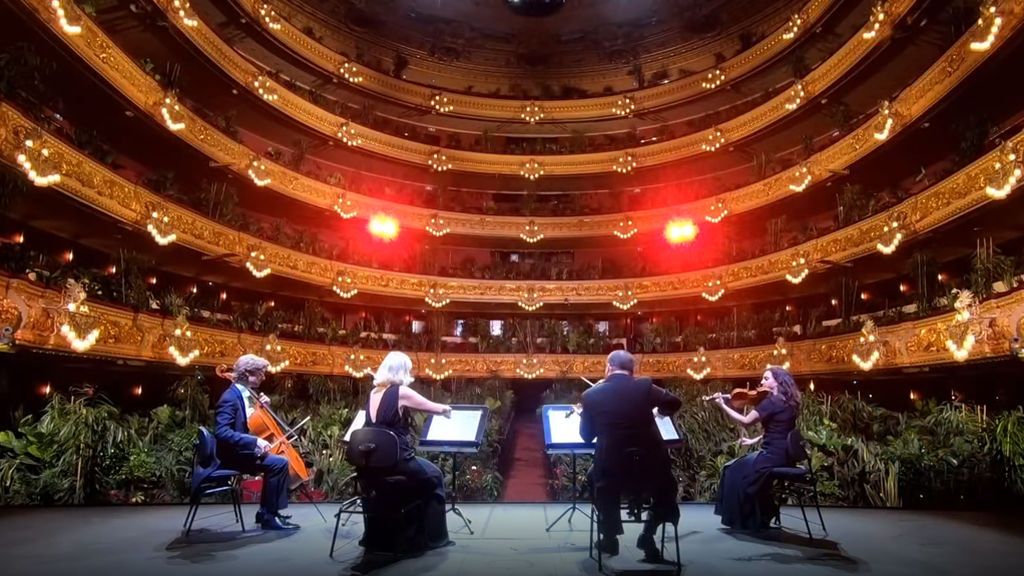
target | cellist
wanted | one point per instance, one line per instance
(239, 450)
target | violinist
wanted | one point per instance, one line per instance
(744, 492)
(239, 450)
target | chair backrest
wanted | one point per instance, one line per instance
(206, 449)
(796, 448)
(372, 448)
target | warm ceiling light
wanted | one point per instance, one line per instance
(38, 164)
(717, 212)
(265, 88)
(876, 21)
(62, 19)
(529, 368)
(989, 22)
(258, 172)
(714, 290)
(699, 366)
(625, 228)
(714, 140)
(624, 106)
(801, 178)
(349, 135)
(792, 27)
(1006, 173)
(681, 231)
(171, 112)
(883, 125)
(531, 232)
(383, 226)
(345, 207)
(713, 80)
(798, 270)
(438, 368)
(257, 264)
(159, 227)
(269, 16)
(182, 347)
(437, 226)
(625, 163)
(184, 9)
(625, 298)
(439, 162)
(530, 299)
(272, 351)
(344, 286)
(891, 238)
(436, 296)
(795, 96)
(357, 365)
(440, 103)
(532, 112)
(349, 71)
(531, 169)
(868, 351)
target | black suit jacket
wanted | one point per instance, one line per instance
(232, 429)
(618, 413)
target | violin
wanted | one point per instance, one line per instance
(742, 397)
(263, 423)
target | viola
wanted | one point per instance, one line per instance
(742, 397)
(263, 423)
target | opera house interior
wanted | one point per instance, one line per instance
(413, 274)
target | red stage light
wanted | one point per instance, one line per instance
(681, 231)
(384, 227)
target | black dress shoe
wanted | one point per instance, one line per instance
(609, 546)
(260, 515)
(275, 523)
(652, 553)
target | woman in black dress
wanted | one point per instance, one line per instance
(390, 407)
(744, 492)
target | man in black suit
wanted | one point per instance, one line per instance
(239, 450)
(618, 412)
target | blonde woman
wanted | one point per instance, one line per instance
(390, 407)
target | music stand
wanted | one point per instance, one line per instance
(562, 436)
(358, 422)
(462, 433)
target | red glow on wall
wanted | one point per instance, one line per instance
(383, 227)
(681, 231)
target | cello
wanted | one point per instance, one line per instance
(263, 423)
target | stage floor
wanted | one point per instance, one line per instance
(509, 540)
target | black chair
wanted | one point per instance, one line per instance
(636, 503)
(381, 494)
(797, 482)
(209, 478)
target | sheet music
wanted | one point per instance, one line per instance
(461, 427)
(358, 422)
(666, 428)
(564, 430)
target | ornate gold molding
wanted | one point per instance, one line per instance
(327, 123)
(509, 110)
(146, 337)
(123, 74)
(94, 184)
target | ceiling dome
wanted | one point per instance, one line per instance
(535, 7)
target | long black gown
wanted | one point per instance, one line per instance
(744, 491)
(431, 529)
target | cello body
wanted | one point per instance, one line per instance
(264, 424)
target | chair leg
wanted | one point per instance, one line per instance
(800, 501)
(593, 515)
(191, 517)
(679, 557)
(817, 505)
(334, 539)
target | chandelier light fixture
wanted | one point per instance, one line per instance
(257, 264)
(792, 27)
(437, 367)
(437, 226)
(38, 163)
(717, 212)
(699, 366)
(624, 106)
(531, 232)
(265, 88)
(529, 299)
(878, 14)
(79, 329)
(531, 169)
(960, 338)
(171, 112)
(625, 228)
(269, 17)
(350, 71)
(357, 365)
(625, 298)
(891, 238)
(441, 103)
(159, 227)
(184, 10)
(780, 355)
(713, 290)
(343, 285)
(714, 140)
(625, 163)
(885, 121)
(801, 178)
(1006, 173)
(798, 270)
(183, 347)
(439, 162)
(276, 355)
(868, 352)
(258, 172)
(989, 23)
(436, 296)
(345, 207)
(529, 368)
(713, 80)
(349, 134)
(532, 112)
(796, 95)
(62, 18)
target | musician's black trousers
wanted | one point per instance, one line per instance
(274, 468)
(608, 493)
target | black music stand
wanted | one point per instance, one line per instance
(562, 436)
(461, 434)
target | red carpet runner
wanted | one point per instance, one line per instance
(527, 479)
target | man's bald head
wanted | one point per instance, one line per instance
(620, 360)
